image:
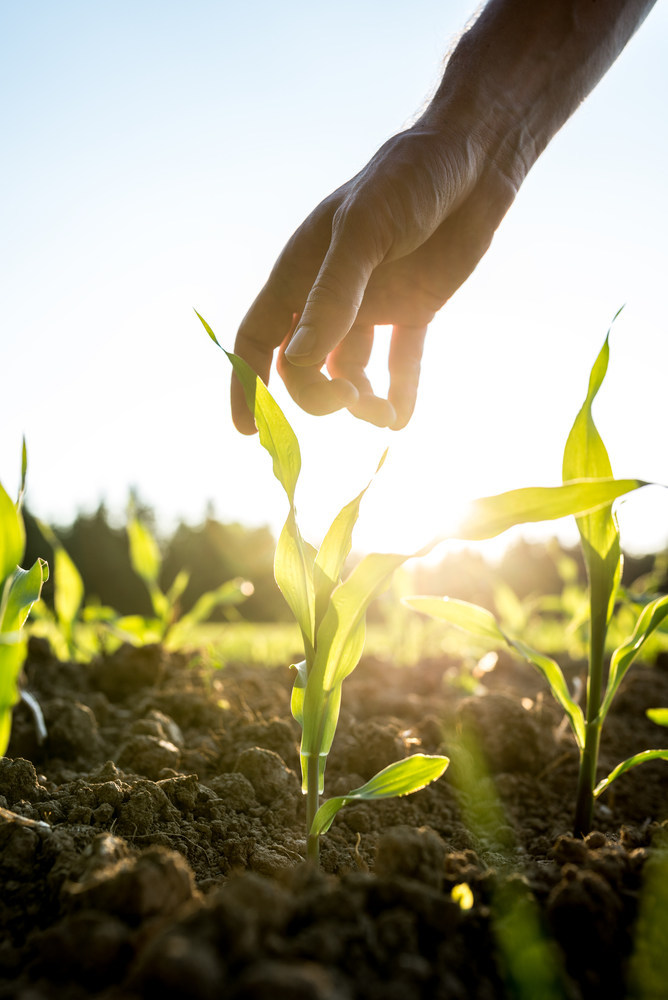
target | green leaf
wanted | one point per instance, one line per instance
(334, 551)
(12, 536)
(293, 571)
(626, 765)
(24, 590)
(482, 623)
(232, 592)
(658, 715)
(144, 552)
(332, 554)
(13, 648)
(339, 639)
(138, 630)
(552, 673)
(585, 455)
(329, 721)
(24, 473)
(68, 584)
(490, 516)
(650, 618)
(401, 778)
(298, 689)
(462, 614)
(68, 590)
(178, 585)
(276, 434)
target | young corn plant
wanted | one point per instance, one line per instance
(166, 625)
(587, 473)
(331, 614)
(19, 589)
(61, 625)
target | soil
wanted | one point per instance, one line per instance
(154, 845)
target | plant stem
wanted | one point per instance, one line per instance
(584, 803)
(312, 805)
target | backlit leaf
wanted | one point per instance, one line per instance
(626, 765)
(24, 590)
(339, 640)
(276, 434)
(298, 689)
(68, 586)
(553, 674)
(293, 570)
(482, 623)
(658, 715)
(328, 718)
(68, 590)
(462, 614)
(13, 647)
(24, 473)
(650, 618)
(490, 516)
(144, 552)
(12, 536)
(401, 778)
(585, 455)
(334, 551)
(232, 592)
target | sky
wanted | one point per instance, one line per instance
(157, 156)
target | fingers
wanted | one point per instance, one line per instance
(405, 359)
(263, 328)
(334, 300)
(312, 390)
(349, 361)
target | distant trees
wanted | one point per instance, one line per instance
(213, 552)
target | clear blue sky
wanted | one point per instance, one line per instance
(157, 155)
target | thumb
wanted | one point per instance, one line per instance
(332, 304)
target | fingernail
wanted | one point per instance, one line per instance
(302, 343)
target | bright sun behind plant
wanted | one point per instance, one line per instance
(331, 614)
(586, 471)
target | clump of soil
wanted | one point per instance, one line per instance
(154, 845)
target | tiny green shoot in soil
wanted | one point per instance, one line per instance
(19, 589)
(331, 614)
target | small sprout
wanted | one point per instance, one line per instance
(331, 614)
(19, 589)
(166, 625)
(588, 492)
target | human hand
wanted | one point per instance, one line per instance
(389, 247)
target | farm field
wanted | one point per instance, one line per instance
(182, 815)
(155, 845)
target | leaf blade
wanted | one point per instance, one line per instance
(491, 516)
(401, 778)
(649, 620)
(626, 765)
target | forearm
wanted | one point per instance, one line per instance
(523, 67)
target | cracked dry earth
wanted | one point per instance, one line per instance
(153, 846)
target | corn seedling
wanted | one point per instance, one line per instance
(59, 625)
(331, 615)
(167, 626)
(586, 468)
(19, 589)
